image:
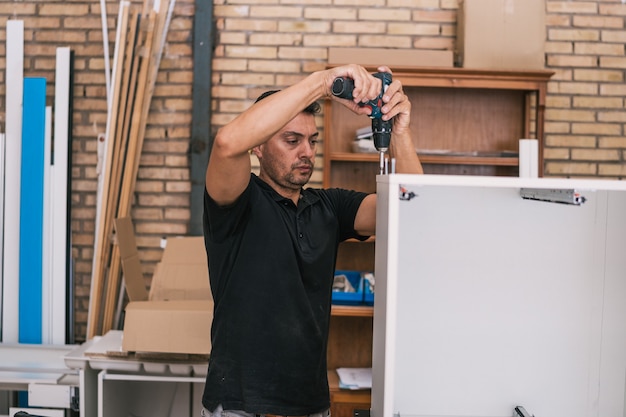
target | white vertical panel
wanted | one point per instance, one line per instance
(528, 158)
(383, 335)
(534, 158)
(59, 204)
(14, 103)
(524, 157)
(2, 152)
(499, 300)
(46, 244)
(105, 47)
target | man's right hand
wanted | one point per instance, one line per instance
(366, 86)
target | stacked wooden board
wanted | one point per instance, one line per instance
(140, 40)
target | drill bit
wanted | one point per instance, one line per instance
(381, 162)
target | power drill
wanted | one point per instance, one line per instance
(381, 129)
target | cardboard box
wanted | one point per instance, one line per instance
(501, 34)
(176, 326)
(392, 58)
(175, 317)
(183, 272)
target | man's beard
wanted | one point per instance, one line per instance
(299, 179)
(290, 180)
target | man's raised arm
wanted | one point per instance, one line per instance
(228, 171)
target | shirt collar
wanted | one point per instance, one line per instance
(307, 196)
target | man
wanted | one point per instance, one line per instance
(272, 246)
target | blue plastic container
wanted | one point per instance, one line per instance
(368, 293)
(349, 298)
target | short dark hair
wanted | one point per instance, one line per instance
(312, 108)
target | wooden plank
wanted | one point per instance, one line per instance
(102, 226)
(121, 141)
(115, 264)
(146, 84)
(13, 137)
(113, 312)
(154, 27)
(118, 137)
(110, 164)
(151, 51)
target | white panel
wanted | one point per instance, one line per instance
(613, 366)
(2, 165)
(88, 393)
(46, 245)
(14, 102)
(534, 158)
(48, 395)
(500, 301)
(524, 158)
(528, 158)
(105, 46)
(380, 340)
(59, 204)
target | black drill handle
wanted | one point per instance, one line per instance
(343, 87)
(381, 130)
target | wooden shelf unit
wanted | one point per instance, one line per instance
(464, 121)
(349, 345)
(344, 402)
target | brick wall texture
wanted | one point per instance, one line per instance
(273, 43)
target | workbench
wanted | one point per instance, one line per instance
(40, 370)
(103, 385)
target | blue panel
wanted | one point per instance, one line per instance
(31, 210)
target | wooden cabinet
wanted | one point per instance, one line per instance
(464, 121)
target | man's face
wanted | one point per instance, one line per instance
(287, 159)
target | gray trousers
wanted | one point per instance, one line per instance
(220, 412)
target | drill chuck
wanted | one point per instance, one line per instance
(381, 131)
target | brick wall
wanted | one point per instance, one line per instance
(273, 43)
(585, 106)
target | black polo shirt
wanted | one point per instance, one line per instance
(271, 267)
